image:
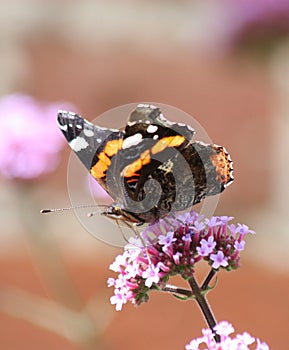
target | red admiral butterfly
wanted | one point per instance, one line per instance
(152, 167)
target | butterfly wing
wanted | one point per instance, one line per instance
(94, 145)
(149, 144)
(150, 114)
(152, 161)
(210, 172)
(186, 171)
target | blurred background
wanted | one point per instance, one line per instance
(226, 64)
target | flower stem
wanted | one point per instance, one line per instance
(204, 305)
(208, 279)
(176, 290)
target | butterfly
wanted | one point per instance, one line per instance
(150, 168)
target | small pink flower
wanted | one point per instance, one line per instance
(199, 226)
(151, 275)
(212, 222)
(132, 270)
(119, 299)
(207, 246)
(225, 219)
(239, 245)
(119, 261)
(111, 282)
(218, 260)
(244, 230)
(245, 338)
(262, 345)
(177, 257)
(167, 239)
(224, 329)
(163, 267)
(203, 251)
(194, 344)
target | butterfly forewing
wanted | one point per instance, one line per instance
(94, 145)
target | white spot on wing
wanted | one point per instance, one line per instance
(132, 141)
(63, 127)
(167, 166)
(155, 137)
(78, 144)
(142, 105)
(88, 133)
(145, 105)
(152, 128)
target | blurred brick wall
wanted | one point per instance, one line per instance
(232, 98)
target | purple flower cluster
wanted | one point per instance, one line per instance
(257, 25)
(173, 246)
(224, 329)
(29, 138)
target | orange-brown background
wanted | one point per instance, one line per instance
(99, 55)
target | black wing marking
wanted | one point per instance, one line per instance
(211, 169)
(150, 114)
(148, 122)
(199, 171)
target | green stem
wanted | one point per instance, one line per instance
(204, 305)
(177, 290)
(208, 279)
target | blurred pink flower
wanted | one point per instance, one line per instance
(96, 190)
(256, 25)
(29, 138)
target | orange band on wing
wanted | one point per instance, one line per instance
(131, 169)
(99, 169)
(101, 166)
(223, 164)
(165, 142)
(112, 147)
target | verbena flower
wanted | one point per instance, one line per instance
(29, 138)
(258, 25)
(173, 247)
(240, 342)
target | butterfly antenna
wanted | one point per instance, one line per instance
(91, 214)
(53, 210)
